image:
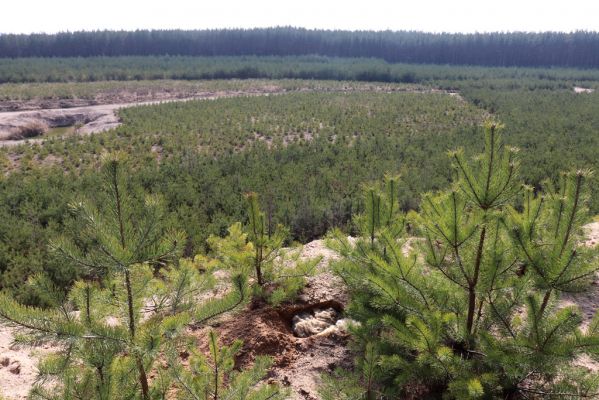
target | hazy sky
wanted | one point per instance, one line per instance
(24, 16)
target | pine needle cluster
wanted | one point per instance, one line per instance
(463, 299)
(213, 377)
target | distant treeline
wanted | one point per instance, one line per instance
(138, 68)
(577, 49)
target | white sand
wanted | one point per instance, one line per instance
(20, 373)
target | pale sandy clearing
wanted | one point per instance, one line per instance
(578, 89)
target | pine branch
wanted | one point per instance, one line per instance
(218, 307)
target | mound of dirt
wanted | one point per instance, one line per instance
(29, 130)
(297, 362)
(266, 330)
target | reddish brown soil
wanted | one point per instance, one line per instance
(266, 330)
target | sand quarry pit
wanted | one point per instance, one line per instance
(90, 119)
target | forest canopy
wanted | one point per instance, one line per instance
(576, 49)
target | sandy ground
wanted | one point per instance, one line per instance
(578, 89)
(18, 370)
(588, 301)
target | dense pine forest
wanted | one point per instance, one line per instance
(577, 49)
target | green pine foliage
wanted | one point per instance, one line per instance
(214, 377)
(359, 384)
(462, 299)
(325, 143)
(132, 302)
(328, 144)
(267, 239)
(256, 250)
(280, 274)
(131, 68)
(572, 49)
(341, 385)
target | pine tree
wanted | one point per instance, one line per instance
(266, 243)
(358, 384)
(213, 377)
(470, 308)
(116, 320)
(279, 272)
